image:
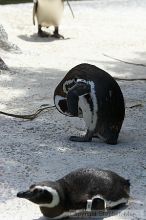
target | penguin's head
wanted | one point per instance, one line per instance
(48, 195)
(61, 104)
(41, 195)
(60, 95)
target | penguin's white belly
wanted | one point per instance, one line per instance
(49, 12)
(86, 112)
(90, 117)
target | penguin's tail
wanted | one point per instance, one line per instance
(127, 186)
(128, 182)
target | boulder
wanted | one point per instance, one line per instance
(4, 42)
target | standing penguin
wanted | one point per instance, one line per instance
(92, 94)
(84, 189)
(48, 13)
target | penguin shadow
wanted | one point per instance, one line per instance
(36, 38)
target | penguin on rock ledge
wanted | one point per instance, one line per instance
(85, 189)
(90, 93)
(48, 13)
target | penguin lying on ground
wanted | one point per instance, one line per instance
(48, 13)
(92, 94)
(84, 189)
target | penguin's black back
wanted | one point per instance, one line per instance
(83, 184)
(103, 81)
(88, 72)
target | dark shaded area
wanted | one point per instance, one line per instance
(31, 81)
(49, 130)
(30, 150)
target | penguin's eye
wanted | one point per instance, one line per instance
(46, 192)
(48, 195)
(35, 191)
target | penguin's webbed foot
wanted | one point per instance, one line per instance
(56, 33)
(58, 36)
(80, 139)
(112, 142)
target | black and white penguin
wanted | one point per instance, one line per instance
(48, 13)
(92, 94)
(85, 189)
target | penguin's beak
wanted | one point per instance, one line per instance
(25, 195)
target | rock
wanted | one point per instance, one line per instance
(3, 34)
(3, 66)
(5, 44)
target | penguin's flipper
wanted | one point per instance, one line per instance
(79, 89)
(35, 5)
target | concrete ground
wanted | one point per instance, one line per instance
(36, 150)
